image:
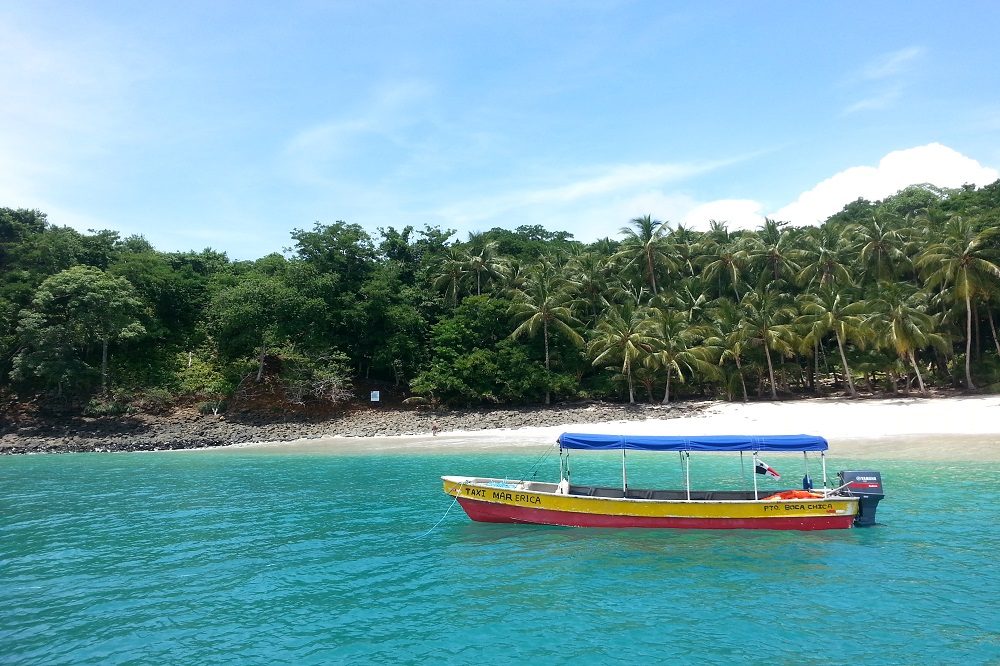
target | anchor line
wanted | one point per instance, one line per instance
(458, 492)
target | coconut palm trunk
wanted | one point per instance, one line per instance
(548, 373)
(968, 339)
(627, 369)
(916, 369)
(770, 368)
(993, 330)
(743, 382)
(649, 267)
(260, 367)
(847, 369)
(666, 394)
(104, 366)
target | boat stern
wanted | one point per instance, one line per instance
(867, 487)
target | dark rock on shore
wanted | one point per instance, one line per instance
(186, 429)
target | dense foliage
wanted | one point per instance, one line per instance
(901, 294)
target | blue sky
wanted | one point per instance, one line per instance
(227, 125)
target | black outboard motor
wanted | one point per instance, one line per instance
(868, 487)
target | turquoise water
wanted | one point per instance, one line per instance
(251, 558)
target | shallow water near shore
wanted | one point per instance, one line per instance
(260, 557)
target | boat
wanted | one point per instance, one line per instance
(853, 502)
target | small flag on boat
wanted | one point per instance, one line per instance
(764, 468)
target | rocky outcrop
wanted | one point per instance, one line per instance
(186, 429)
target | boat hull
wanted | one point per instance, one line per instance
(484, 501)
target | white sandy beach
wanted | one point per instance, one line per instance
(963, 428)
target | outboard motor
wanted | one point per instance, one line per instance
(868, 487)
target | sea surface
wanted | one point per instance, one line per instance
(212, 557)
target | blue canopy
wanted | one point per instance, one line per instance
(572, 440)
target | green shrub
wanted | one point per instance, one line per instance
(106, 406)
(213, 407)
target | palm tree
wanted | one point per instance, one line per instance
(689, 297)
(728, 342)
(765, 323)
(718, 232)
(644, 247)
(771, 250)
(879, 245)
(905, 326)
(513, 275)
(989, 297)
(675, 348)
(545, 302)
(724, 260)
(965, 258)
(622, 336)
(626, 292)
(823, 258)
(590, 271)
(830, 310)
(682, 245)
(452, 272)
(486, 264)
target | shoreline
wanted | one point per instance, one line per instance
(945, 428)
(953, 429)
(186, 429)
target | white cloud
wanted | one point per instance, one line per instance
(736, 213)
(933, 163)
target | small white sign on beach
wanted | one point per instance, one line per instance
(375, 396)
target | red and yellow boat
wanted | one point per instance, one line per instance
(544, 503)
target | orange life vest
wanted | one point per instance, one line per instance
(794, 494)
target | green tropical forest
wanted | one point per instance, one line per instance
(900, 295)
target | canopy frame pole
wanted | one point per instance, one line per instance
(755, 495)
(822, 456)
(624, 474)
(806, 480)
(687, 473)
(562, 466)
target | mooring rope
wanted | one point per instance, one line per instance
(458, 493)
(533, 469)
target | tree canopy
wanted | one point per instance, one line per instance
(883, 296)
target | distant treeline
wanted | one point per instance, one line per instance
(896, 295)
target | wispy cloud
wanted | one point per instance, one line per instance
(591, 204)
(617, 178)
(392, 108)
(881, 81)
(67, 106)
(891, 64)
(880, 100)
(599, 187)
